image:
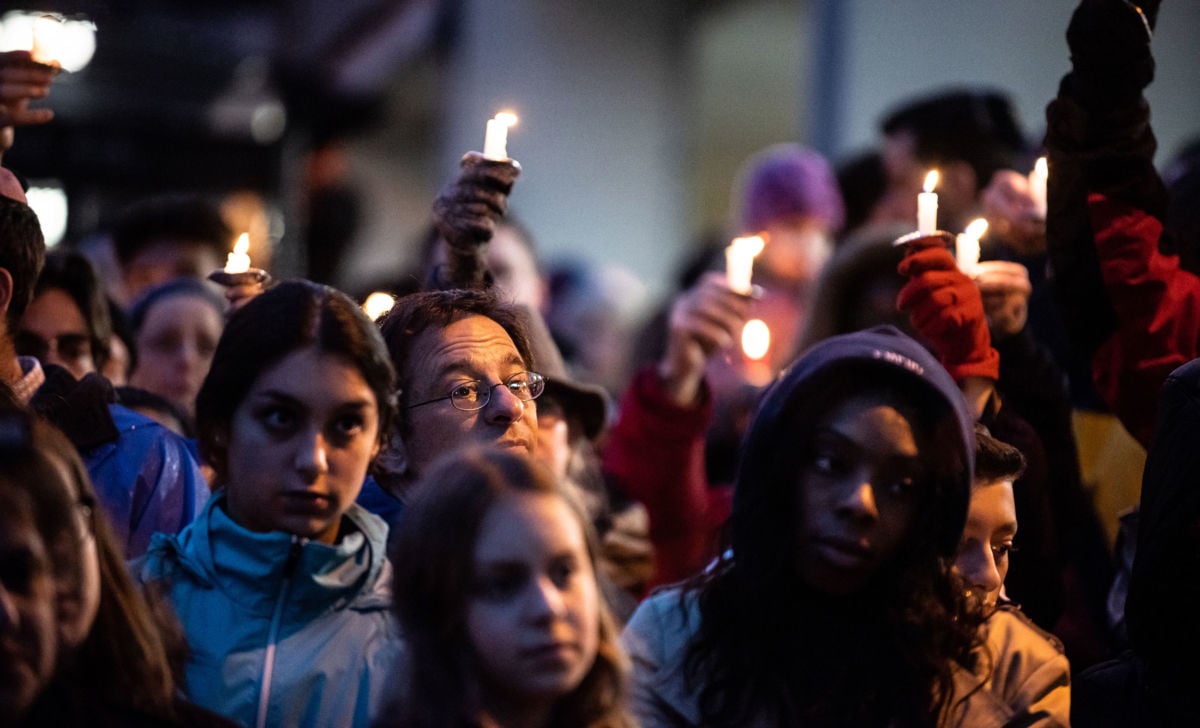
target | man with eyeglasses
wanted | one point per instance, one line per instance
(466, 377)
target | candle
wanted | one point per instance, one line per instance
(756, 339)
(495, 139)
(966, 248)
(1037, 186)
(238, 261)
(927, 203)
(739, 262)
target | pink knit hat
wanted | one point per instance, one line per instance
(788, 180)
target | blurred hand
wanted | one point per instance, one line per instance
(22, 80)
(1006, 289)
(241, 294)
(466, 210)
(705, 319)
(1011, 213)
(628, 552)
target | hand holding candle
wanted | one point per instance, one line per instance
(237, 272)
(927, 205)
(739, 262)
(495, 140)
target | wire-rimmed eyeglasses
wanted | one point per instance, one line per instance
(474, 395)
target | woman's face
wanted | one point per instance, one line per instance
(175, 348)
(533, 612)
(77, 569)
(987, 539)
(28, 642)
(55, 331)
(857, 495)
(299, 445)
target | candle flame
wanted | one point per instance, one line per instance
(977, 228)
(507, 118)
(242, 246)
(756, 339)
(753, 245)
(1041, 168)
(377, 304)
(931, 180)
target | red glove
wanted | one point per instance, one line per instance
(947, 309)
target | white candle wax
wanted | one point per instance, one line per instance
(927, 204)
(1037, 186)
(966, 248)
(238, 261)
(739, 262)
(495, 138)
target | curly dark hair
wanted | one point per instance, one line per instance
(433, 556)
(772, 647)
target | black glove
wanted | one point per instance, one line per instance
(465, 214)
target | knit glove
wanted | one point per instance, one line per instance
(465, 214)
(947, 309)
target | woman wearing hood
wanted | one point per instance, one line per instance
(835, 603)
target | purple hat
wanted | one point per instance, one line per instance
(786, 180)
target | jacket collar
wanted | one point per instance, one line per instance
(251, 568)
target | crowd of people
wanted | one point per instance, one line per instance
(258, 506)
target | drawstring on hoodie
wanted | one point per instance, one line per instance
(289, 568)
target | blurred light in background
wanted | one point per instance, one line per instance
(49, 201)
(377, 304)
(69, 40)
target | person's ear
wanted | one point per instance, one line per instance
(391, 465)
(6, 291)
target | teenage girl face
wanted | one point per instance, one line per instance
(533, 613)
(299, 445)
(857, 495)
(987, 539)
(28, 642)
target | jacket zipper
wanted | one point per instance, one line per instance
(264, 691)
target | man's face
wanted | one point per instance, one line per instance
(471, 348)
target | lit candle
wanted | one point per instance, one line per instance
(238, 261)
(495, 139)
(46, 33)
(756, 339)
(377, 304)
(1037, 186)
(927, 203)
(966, 248)
(739, 262)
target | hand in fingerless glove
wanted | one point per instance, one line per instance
(1110, 50)
(465, 214)
(947, 309)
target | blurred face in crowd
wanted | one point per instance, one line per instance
(987, 539)
(175, 347)
(514, 269)
(857, 494)
(166, 260)
(54, 330)
(28, 642)
(299, 446)
(471, 349)
(796, 249)
(533, 613)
